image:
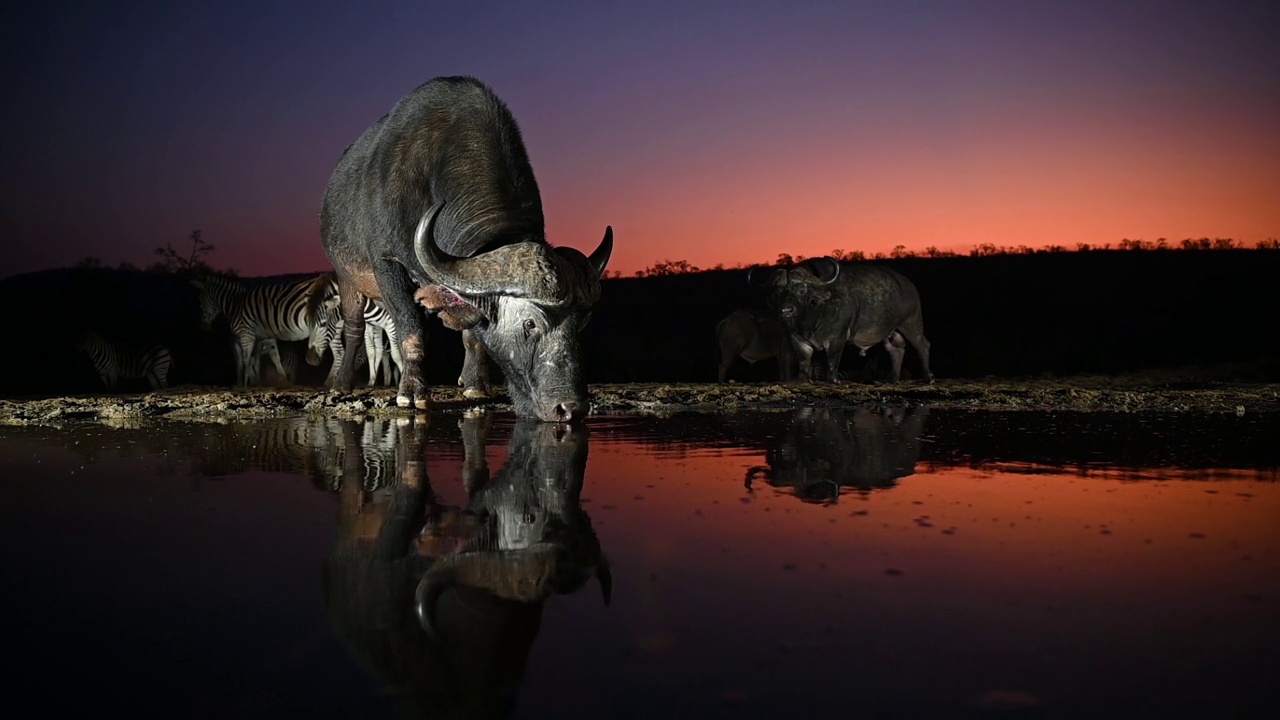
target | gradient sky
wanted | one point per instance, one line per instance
(714, 132)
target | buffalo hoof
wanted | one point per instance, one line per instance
(418, 403)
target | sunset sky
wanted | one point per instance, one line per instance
(713, 132)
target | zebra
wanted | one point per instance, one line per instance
(379, 327)
(115, 361)
(283, 310)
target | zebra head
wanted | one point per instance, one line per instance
(217, 296)
(325, 330)
(87, 340)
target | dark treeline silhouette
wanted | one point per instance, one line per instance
(680, 267)
(985, 315)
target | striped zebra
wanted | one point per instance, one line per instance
(283, 310)
(116, 361)
(379, 328)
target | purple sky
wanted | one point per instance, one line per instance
(710, 131)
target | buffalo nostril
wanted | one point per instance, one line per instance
(570, 410)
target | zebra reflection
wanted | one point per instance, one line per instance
(444, 602)
(827, 449)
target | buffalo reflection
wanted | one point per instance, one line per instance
(826, 449)
(444, 603)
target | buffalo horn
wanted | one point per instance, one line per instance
(523, 269)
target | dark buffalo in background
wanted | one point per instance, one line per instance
(754, 338)
(437, 203)
(827, 305)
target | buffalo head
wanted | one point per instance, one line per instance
(526, 302)
(790, 289)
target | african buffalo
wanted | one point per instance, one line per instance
(436, 203)
(827, 304)
(442, 602)
(754, 338)
(827, 449)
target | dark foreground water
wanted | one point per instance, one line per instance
(822, 563)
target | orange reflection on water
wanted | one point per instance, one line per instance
(1049, 552)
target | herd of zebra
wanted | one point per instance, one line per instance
(260, 316)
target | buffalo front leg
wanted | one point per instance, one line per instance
(835, 351)
(786, 363)
(804, 359)
(897, 347)
(475, 367)
(352, 308)
(397, 292)
(913, 331)
(728, 351)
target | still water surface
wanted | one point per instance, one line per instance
(878, 562)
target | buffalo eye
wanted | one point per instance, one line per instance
(529, 327)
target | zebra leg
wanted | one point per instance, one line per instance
(273, 351)
(475, 368)
(262, 348)
(248, 361)
(372, 349)
(337, 350)
(384, 359)
(396, 358)
(240, 364)
(160, 368)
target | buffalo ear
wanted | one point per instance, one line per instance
(455, 312)
(461, 317)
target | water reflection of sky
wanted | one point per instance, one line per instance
(968, 562)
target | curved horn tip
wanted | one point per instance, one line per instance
(835, 269)
(424, 234)
(600, 256)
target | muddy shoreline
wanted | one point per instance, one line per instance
(1076, 394)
